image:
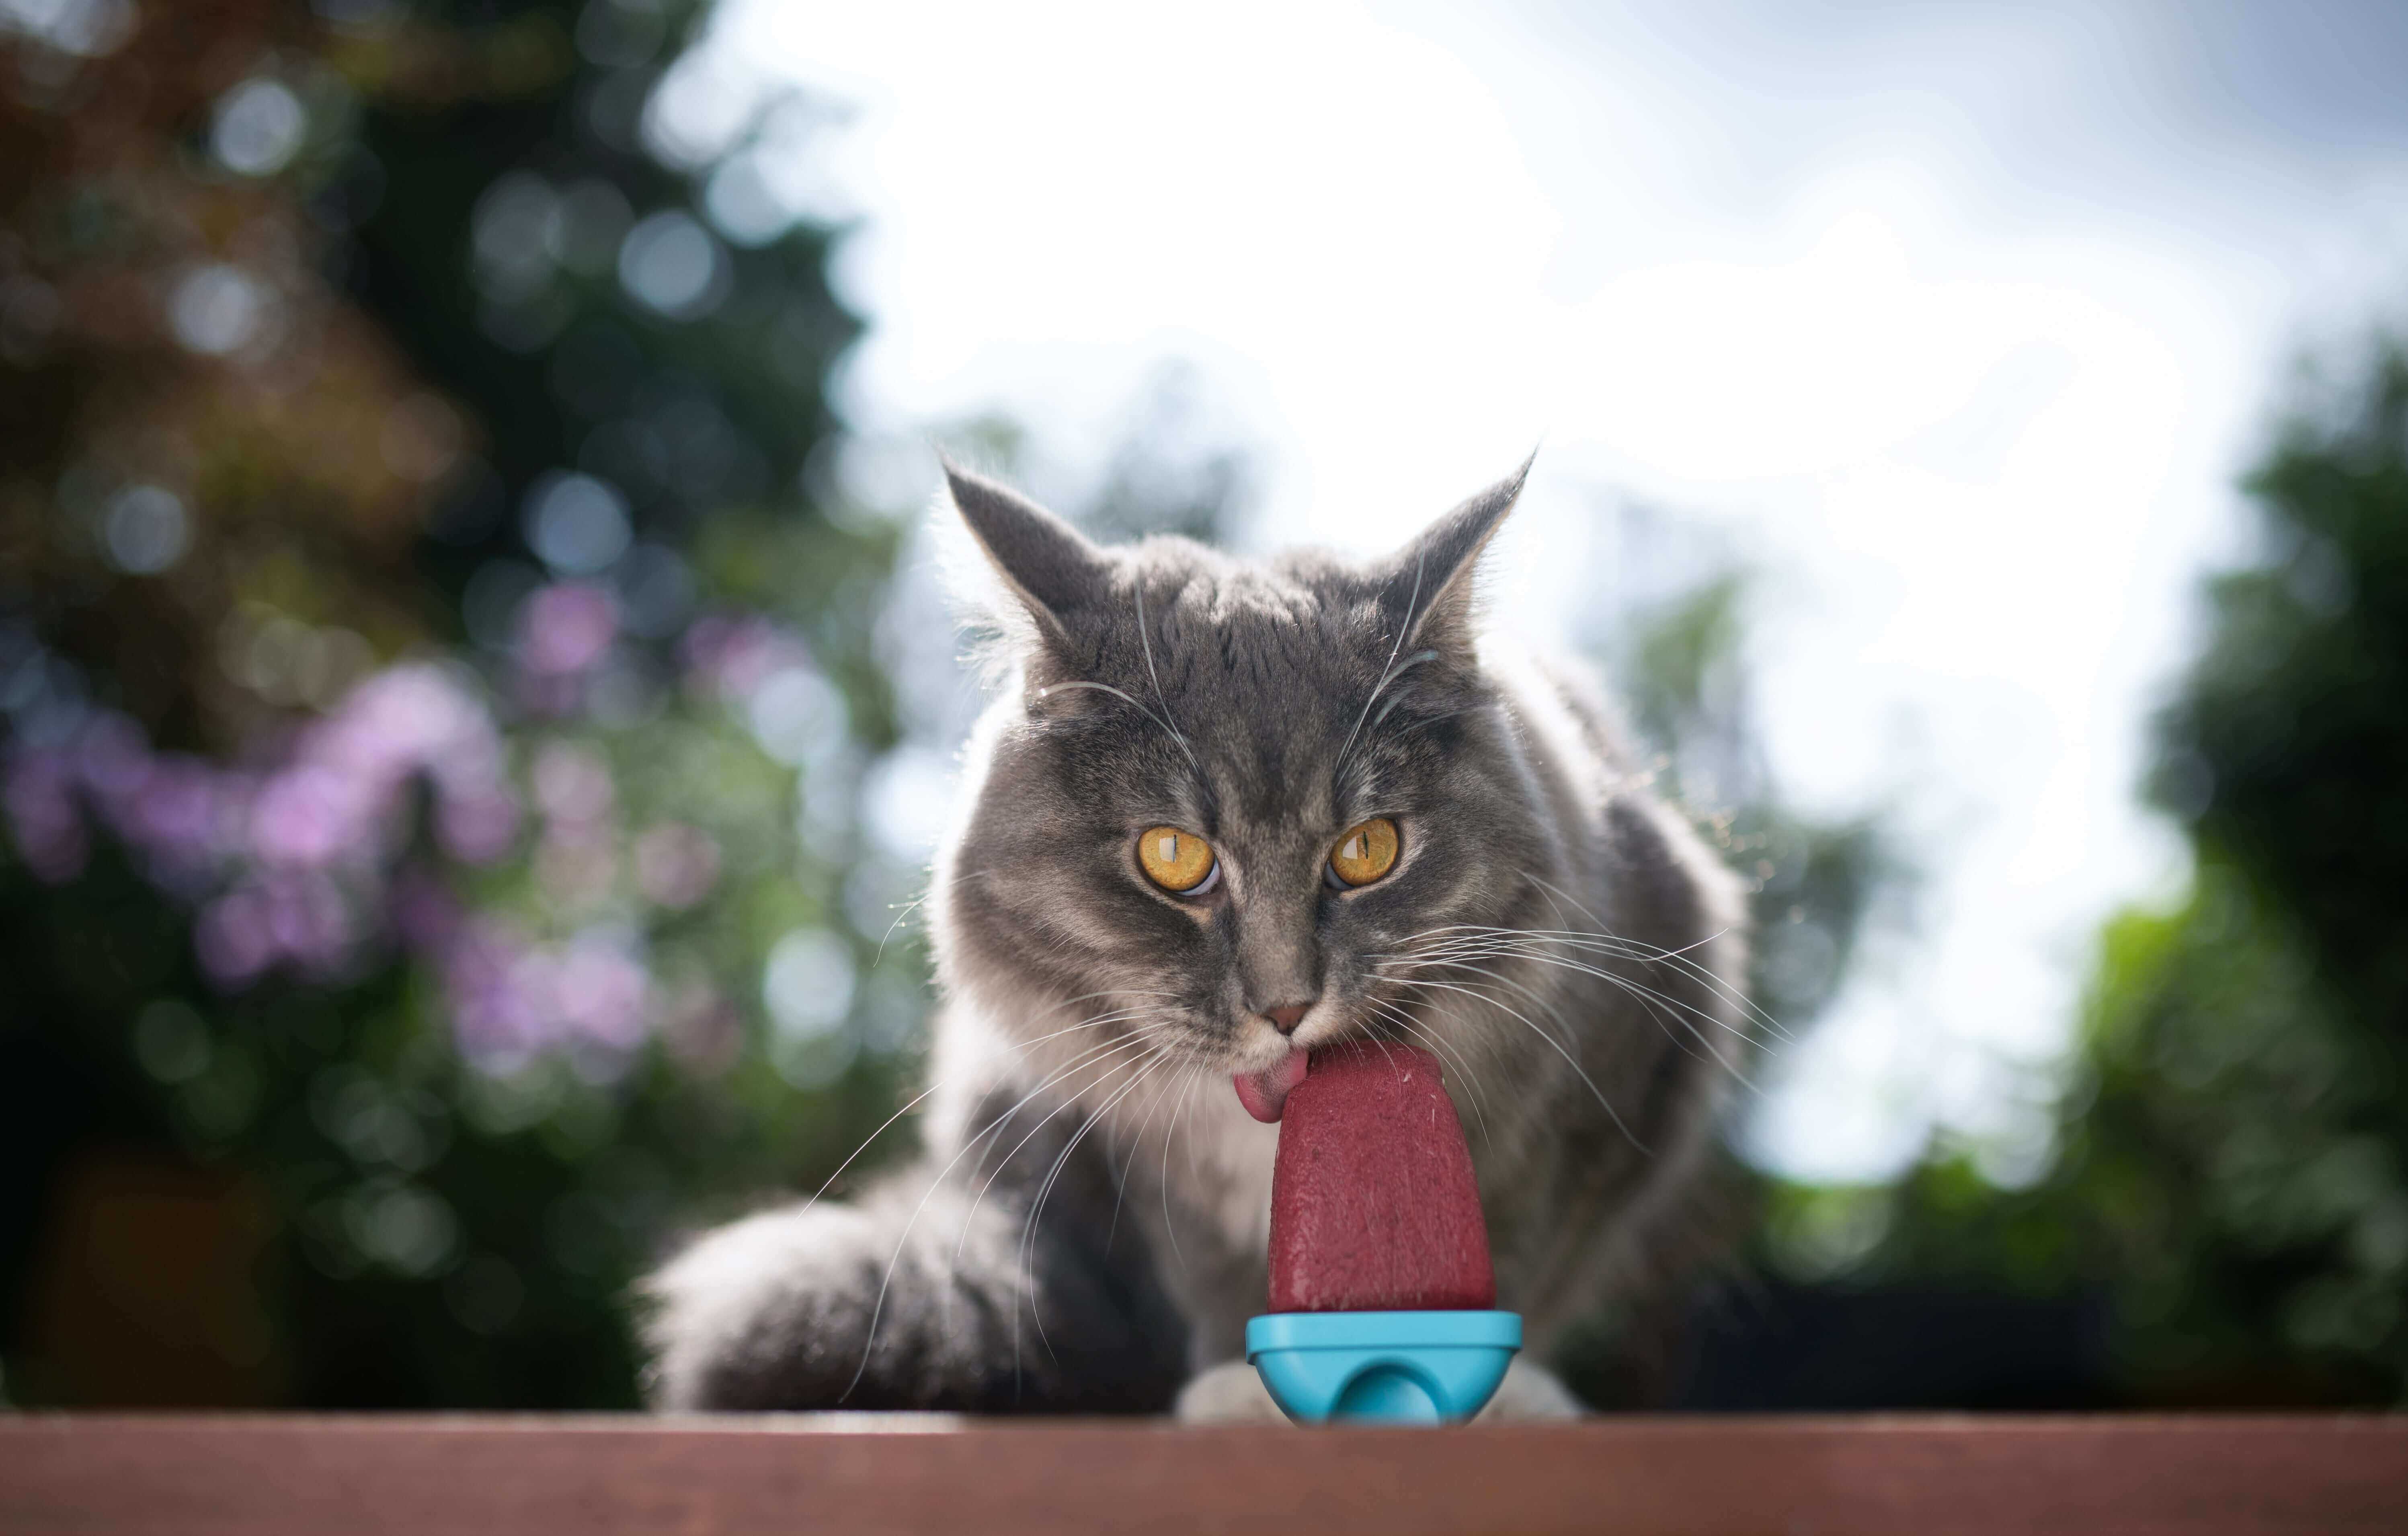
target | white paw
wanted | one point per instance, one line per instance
(1229, 1393)
(1529, 1392)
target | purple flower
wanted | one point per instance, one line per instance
(476, 828)
(298, 865)
(700, 1026)
(573, 784)
(413, 718)
(309, 922)
(425, 914)
(43, 818)
(577, 866)
(545, 697)
(513, 1002)
(112, 757)
(313, 815)
(726, 658)
(178, 813)
(232, 938)
(339, 799)
(599, 991)
(493, 1019)
(676, 864)
(303, 920)
(565, 629)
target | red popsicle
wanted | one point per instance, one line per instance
(1373, 1204)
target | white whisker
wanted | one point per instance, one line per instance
(886, 1281)
(1611, 1113)
(1147, 1068)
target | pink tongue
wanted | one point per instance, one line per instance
(1265, 1093)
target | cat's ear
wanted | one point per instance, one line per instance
(1427, 586)
(1046, 565)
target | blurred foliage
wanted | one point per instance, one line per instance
(1173, 472)
(1675, 643)
(1817, 886)
(440, 698)
(2234, 1161)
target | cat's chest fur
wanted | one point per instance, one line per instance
(1219, 1174)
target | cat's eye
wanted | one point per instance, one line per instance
(1179, 862)
(1367, 852)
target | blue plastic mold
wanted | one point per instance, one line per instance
(1383, 1367)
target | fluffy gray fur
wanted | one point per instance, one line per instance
(1085, 1230)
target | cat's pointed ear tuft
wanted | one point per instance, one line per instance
(1047, 565)
(1428, 585)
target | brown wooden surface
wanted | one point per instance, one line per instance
(1631, 1478)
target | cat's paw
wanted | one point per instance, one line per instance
(770, 1311)
(1229, 1393)
(1531, 1392)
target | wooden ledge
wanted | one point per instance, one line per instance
(117, 1475)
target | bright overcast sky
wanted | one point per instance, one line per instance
(1956, 320)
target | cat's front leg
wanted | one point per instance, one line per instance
(929, 1293)
(1531, 1392)
(797, 1308)
(1228, 1393)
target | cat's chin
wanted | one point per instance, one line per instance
(1265, 1093)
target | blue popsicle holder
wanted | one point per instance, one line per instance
(1383, 1367)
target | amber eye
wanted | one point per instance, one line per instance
(1364, 853)
(1179, 862)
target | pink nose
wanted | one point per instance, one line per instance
(1285, 1017)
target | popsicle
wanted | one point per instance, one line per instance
(1382, 1293)
(1373, 1204)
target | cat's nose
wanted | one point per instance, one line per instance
(1286, 1016)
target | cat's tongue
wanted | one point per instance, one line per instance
(1265, 1093)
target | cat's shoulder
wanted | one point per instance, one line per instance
(1561, 697)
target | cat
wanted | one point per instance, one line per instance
(1218, 813)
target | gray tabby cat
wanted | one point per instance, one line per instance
(1227, 812)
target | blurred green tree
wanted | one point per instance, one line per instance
(1817, 886)
(1673, 639)
(2233, 1162)
(437, 708)
(1673, 642)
